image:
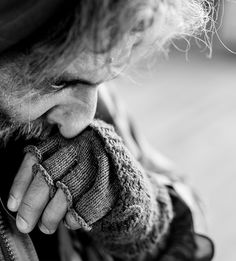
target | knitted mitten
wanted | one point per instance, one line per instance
(107, 190)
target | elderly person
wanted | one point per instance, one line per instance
(68, 178)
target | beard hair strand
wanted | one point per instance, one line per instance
(38, 129)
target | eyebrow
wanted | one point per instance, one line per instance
(74, 81)
(68, 78)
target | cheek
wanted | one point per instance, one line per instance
(27, 109)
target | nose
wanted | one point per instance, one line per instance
(75, 111)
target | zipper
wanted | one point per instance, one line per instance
(5, 242)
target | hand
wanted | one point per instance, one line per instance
(71, 179)
(30, 198)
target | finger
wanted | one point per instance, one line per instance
(70, 222)
(21, 182)
(53, 213)
(32, 204)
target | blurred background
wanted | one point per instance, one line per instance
(186, 107)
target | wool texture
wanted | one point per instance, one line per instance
(107, 190)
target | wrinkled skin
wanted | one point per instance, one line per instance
(70, 107)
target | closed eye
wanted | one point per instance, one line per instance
(61, 84)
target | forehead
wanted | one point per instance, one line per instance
(97, 25)
(15, 67)
(71, 45)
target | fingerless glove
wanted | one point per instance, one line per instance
(107, 190)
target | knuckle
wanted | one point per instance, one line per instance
(18, 182)
(38, 189)
(26, 207)
(27, 213)
(23, 176)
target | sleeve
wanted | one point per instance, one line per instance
(183, 242)
(109, 193)
(139, 221)
(124, 200)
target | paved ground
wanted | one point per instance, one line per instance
(187, 110)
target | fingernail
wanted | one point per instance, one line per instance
(66, 225)
(21, 223)
(44, 229)
(72, 219)
(12, 203)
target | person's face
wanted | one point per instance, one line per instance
(70, 106)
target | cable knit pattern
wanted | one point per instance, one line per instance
(107, 190)
(141, 217)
